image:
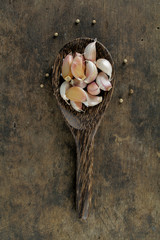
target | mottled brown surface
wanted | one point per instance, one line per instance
(37, 167)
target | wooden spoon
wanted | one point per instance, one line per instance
(82, 125)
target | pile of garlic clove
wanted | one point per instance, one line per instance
(83, 82)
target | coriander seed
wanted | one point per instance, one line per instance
(121, 100)
(77, 20)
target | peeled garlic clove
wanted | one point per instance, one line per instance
(93, 88)
(91, 72)
(105, 66)
(63, 88)
(78, 67)
(66, 67)
(76, 106)
(81, 84)
(103, 82)
(90, 51)
(92, 100)
(76, 94)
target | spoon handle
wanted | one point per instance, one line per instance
(84, 142)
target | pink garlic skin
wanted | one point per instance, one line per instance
(90, 51)
(103, 82)
(93, 88)
(91, 72)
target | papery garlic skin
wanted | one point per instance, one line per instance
(91, 72)
(78, 67)
(75, 82)
(93, 88)
(76, 94)
(76, 106)
(90, 51)
(66, 67)
(92, 100)
(63, 88)
(103, 82)
(105, 66)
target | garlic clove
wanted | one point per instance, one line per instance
(63, 88)
(105, 66)
(92, 100)
(90, 51)
(91, 72)
(81, 84)
(93, 88)
(76, 94)
(78, 67)
(66, 67)
(83, 60)
(76, 106)
(103, 82)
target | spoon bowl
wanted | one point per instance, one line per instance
(83, 125)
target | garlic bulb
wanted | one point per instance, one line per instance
(75, 82)
(105, 66)
(93, 88)
(78, 67)
(66, 67)
(90, 51)
(91, 72)
(103, 82)
(92, 100)
(76, 94)
(63, 88)
(76, 106)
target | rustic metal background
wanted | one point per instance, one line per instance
(37, 167)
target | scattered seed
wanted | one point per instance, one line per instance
(131, 91)
(94, 21)
(125, 61)
(55, 34)
(47, 75)
(121, 100)
(77, 20)
(41, 85)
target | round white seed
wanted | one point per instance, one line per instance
(55, 34)
(121, 100)
(125, 61)
(77, 20)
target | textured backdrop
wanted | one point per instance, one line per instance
(37, 166)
